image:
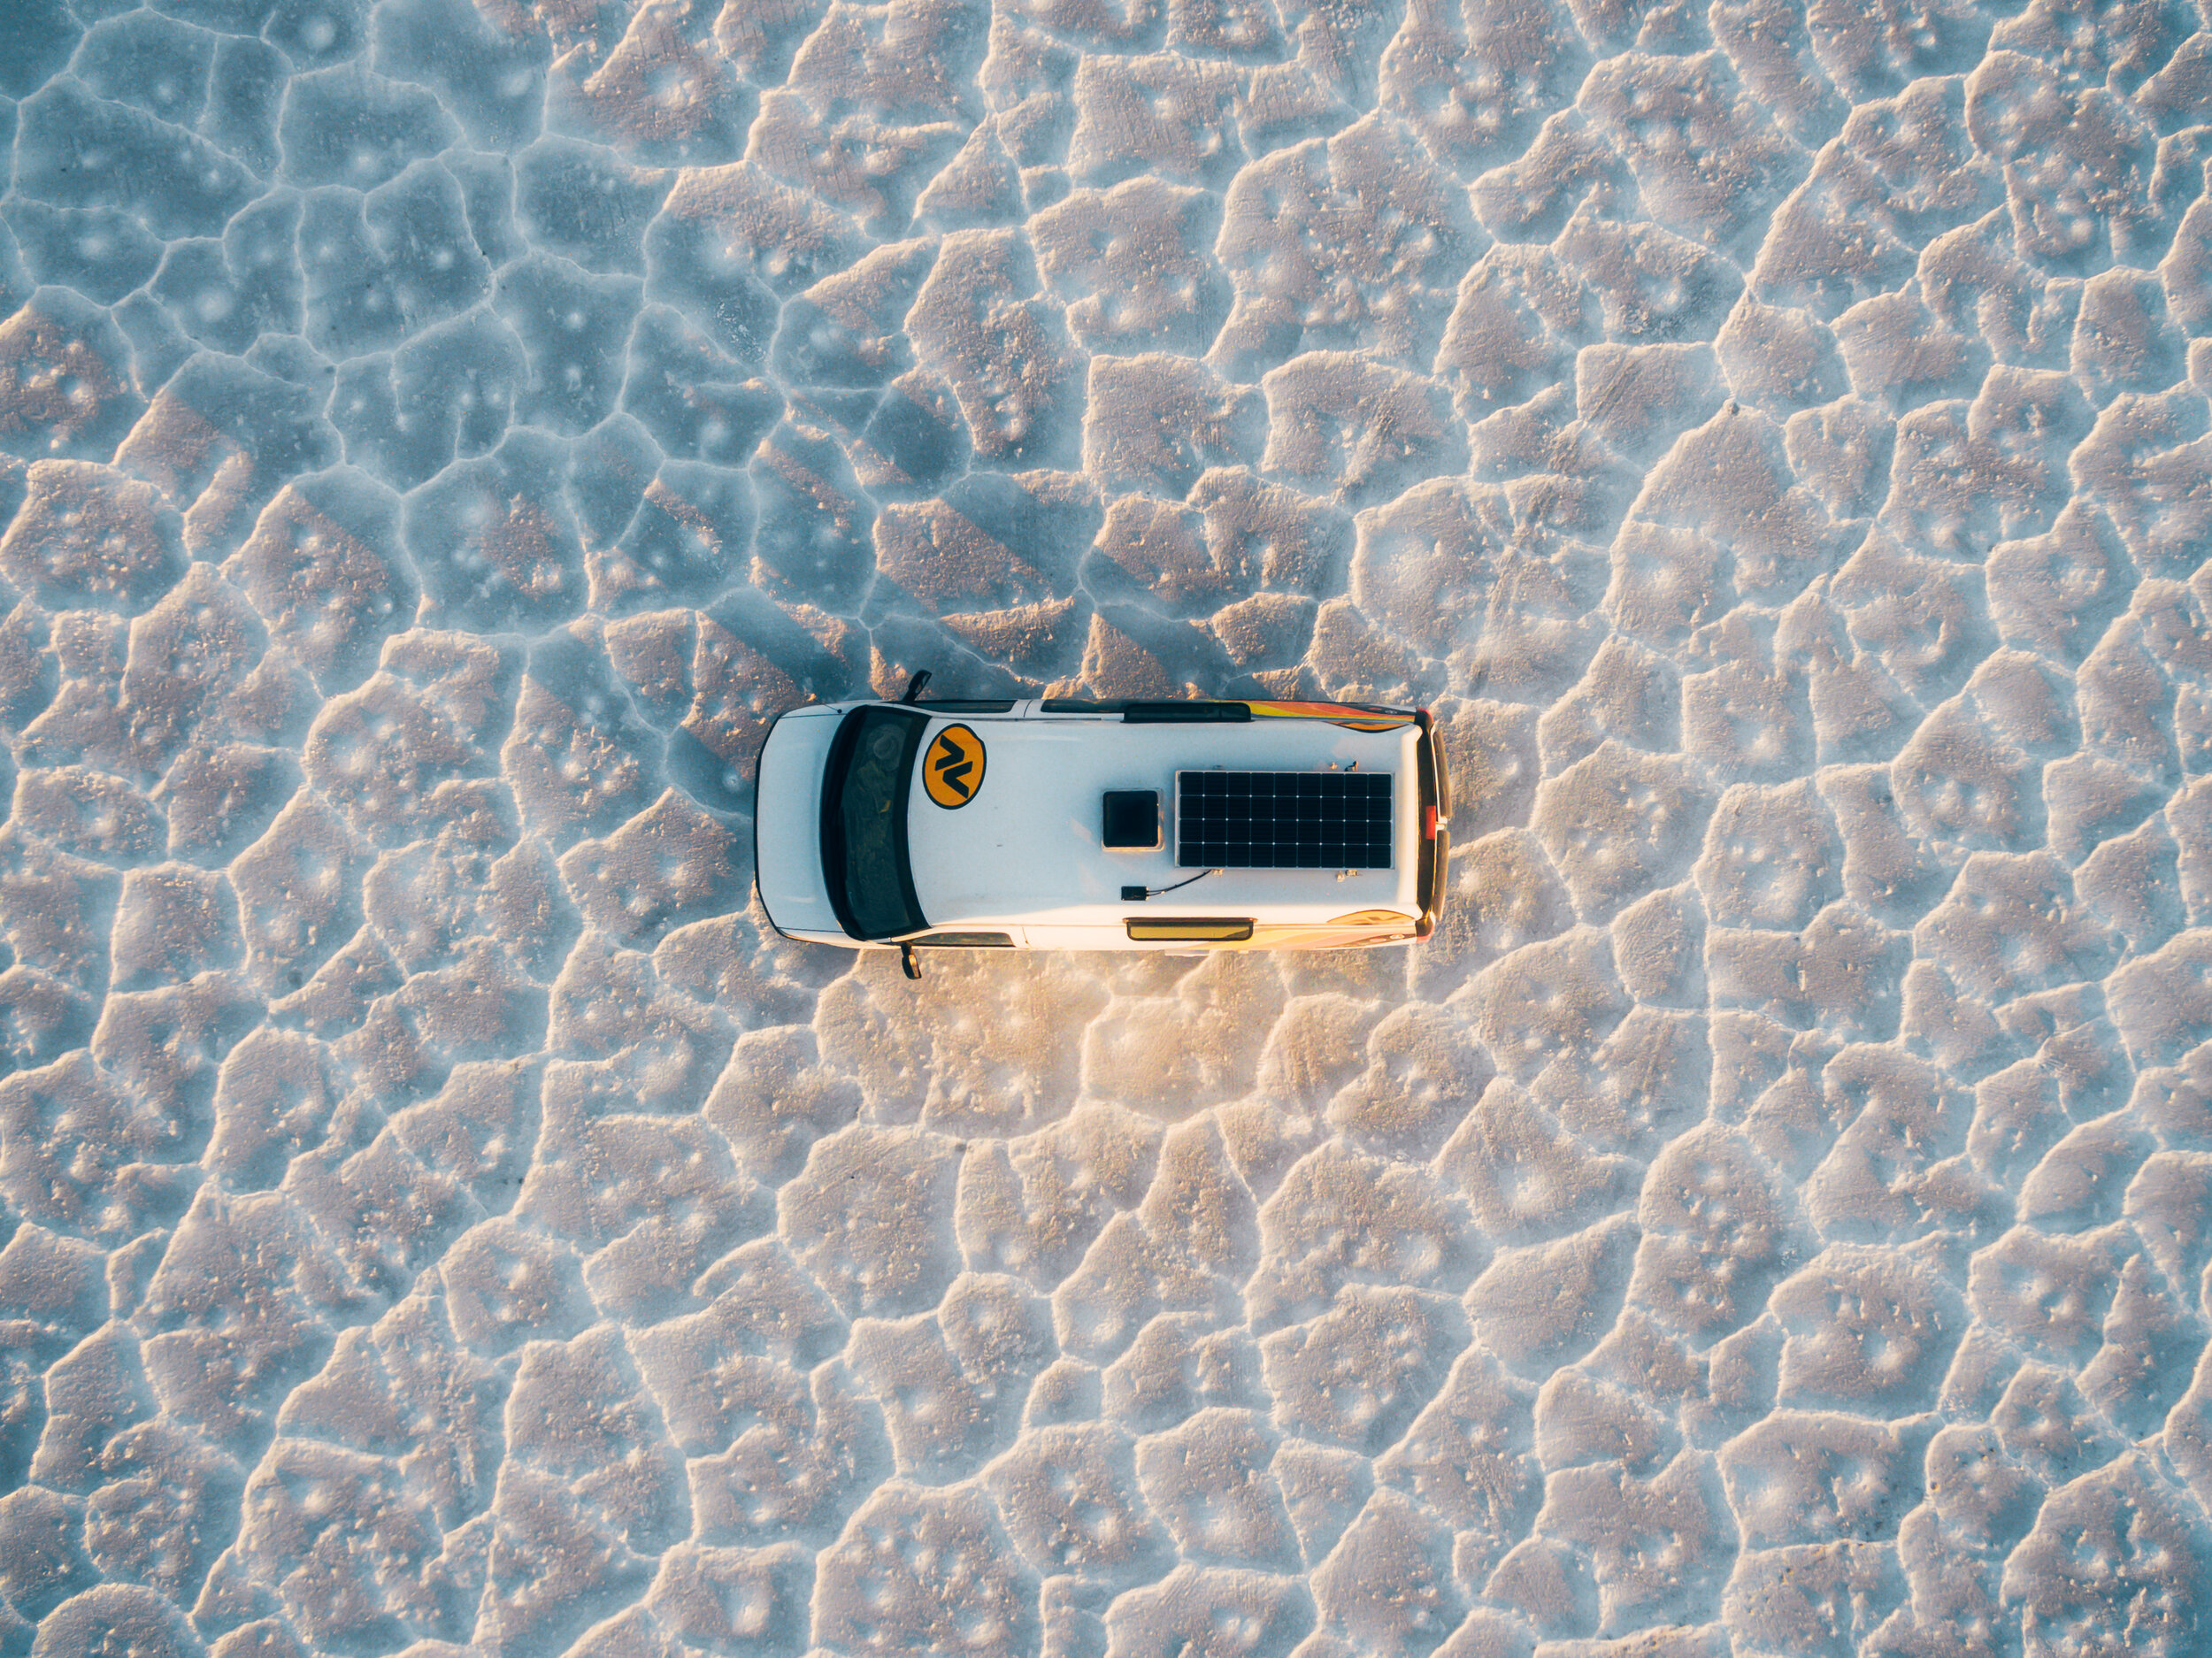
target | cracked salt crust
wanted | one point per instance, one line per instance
(1772, 1216)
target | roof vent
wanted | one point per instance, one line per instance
(1132, 819)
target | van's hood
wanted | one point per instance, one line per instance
(788, 821)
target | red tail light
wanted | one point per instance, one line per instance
(1428, 821)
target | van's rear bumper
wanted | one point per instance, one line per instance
(1436, 839)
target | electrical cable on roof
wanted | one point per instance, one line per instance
(1138, 894)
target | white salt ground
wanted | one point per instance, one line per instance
(1771, 1218)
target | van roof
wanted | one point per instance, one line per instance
(1027, 847)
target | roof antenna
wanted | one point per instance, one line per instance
(915, 687)
(908, 965)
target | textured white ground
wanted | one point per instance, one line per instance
(1771, 1218)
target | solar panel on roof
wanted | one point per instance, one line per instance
(1283, 820)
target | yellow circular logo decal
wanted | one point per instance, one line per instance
(952, 770)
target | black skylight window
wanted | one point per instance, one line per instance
(1133, 818)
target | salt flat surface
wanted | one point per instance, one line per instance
(1773, 1217)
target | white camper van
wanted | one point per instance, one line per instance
(1067, 825)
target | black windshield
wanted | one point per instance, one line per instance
(863, 821)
